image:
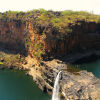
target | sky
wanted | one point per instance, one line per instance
(92, 6)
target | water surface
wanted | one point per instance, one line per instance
(91, 66)
(15, 85)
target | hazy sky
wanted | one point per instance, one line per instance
(24, 5)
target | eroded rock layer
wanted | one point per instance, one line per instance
(12, 35)
(83, 38)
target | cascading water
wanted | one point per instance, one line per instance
(55, 95)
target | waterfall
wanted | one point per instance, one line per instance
(55, 95)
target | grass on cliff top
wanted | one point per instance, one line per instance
(1, 63)
(57, 19)
(54, 17)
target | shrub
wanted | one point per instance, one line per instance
(38, 46)
(42, 11)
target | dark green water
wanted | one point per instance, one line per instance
(15, 85)
(92, 66)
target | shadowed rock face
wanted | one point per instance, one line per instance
(12, 35)
(84, 37)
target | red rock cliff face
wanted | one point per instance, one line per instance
(12, 34)
(83, 38)
(87, 37)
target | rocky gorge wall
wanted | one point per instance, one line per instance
(12, 35)
(83, 38)
(49, 41)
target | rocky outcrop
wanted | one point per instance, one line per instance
(82, 86)
(74, 84)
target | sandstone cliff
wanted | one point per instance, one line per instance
(52, 43)
(12, 35)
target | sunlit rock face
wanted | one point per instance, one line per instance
(12, 34)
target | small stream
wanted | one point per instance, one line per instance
(15, 85)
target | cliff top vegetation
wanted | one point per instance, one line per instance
(58, 19)
(54, 17)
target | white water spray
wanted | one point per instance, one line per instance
(55, 95)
